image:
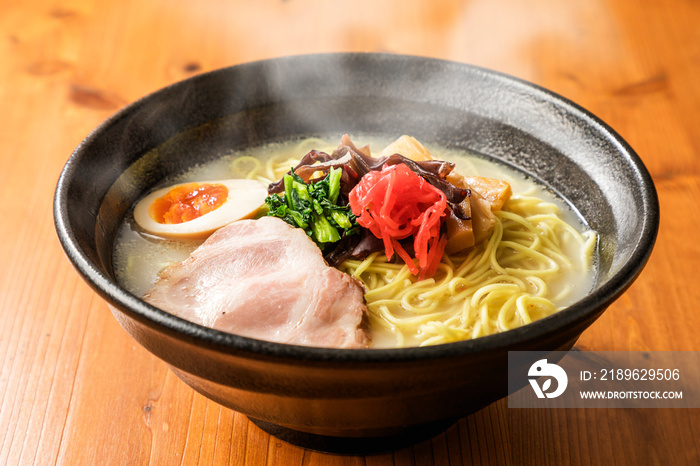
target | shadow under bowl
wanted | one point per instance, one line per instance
(354, 401)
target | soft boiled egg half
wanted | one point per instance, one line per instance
(195, 210)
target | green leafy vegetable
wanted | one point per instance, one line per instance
(313, 207)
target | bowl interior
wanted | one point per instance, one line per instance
(438, 102)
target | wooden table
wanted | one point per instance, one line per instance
(76, 389)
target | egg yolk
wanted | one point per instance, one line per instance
(188, 202)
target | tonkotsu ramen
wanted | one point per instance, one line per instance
(313, 243)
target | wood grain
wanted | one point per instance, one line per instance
(75, 389)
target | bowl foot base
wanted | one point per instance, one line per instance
(355, 445)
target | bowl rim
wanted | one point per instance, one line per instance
(576, 314)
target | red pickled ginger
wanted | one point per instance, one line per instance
(396, 203)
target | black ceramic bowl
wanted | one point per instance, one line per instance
(353, 400)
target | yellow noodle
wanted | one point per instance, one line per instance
(502, 284)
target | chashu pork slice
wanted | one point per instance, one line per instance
(265, 279)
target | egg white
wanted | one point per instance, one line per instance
(244, 199)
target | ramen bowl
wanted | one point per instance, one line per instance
(341, 400)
